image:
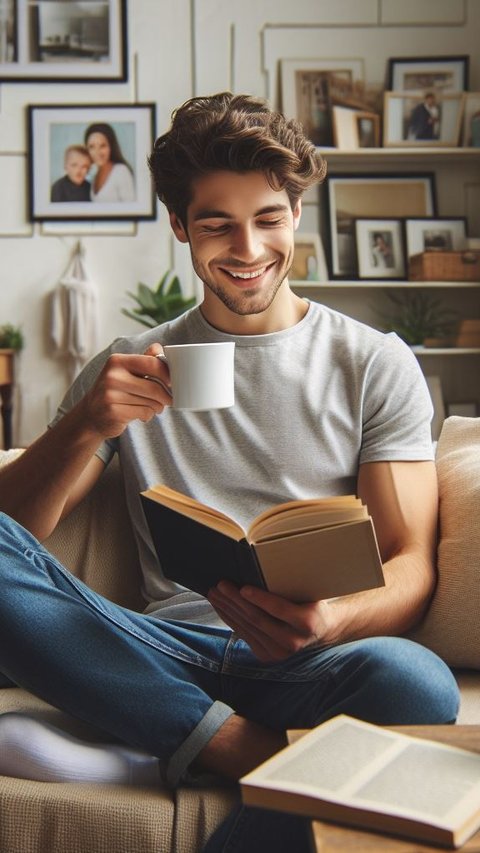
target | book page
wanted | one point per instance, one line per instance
(371, 768)
(299, 521)
(319, 505)
(195, 509)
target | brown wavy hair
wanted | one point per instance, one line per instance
(239, 133)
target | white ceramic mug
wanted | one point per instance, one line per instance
(202, 375)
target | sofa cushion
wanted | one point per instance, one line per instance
(451, 626)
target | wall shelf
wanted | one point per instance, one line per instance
(356, 284)
(405, 155)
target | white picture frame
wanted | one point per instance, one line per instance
(441, 233)
(309, 264)
(55, 129)
(380, 249)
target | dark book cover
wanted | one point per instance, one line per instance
(194, 555)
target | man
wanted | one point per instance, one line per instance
(424, 119)
(324, 406)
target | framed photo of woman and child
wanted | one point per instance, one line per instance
(90, 162)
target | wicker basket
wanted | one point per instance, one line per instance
(444, 266)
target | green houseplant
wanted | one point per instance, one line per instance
(159, 304)
(418, 316)
(11, 337)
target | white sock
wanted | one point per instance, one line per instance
(33, 749)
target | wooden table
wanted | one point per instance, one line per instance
(331, 838)
(7, 379)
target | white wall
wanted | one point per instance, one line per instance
(178, 48)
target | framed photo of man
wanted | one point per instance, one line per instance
(422, 119)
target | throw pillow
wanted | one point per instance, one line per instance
(451, 626)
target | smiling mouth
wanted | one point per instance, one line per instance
(247, 275)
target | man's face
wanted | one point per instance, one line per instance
(77, 166)
(240, 232)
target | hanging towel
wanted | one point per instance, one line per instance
(74, 317)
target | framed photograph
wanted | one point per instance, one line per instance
(306, 86)
(440, 234)
(89, 162)
(74, 41)
(350, 197)
(471, 120)
(439, 74)
(309, 263)
(380, 248)
(422, 119)
(354, 129)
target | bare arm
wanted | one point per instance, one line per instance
(402, 498)
(54, 473)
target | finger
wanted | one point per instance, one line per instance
(301, 617)
(260, 646)
(154, 349)
(252, 627)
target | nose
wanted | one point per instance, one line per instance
(246, 243)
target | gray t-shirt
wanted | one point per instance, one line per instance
(312, 403)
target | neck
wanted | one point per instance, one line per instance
(286, 310)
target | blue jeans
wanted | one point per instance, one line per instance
(167, 687)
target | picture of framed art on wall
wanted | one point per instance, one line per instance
(47, 40)
(422, 119)
(380, 248)
(309, 263)
(90, 162)
(440, 74)
(440, 234)
(309, 87)
(350, 197)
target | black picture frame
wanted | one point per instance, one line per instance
(439, 73)
(64, 138)
(350, 196)
(50, 40)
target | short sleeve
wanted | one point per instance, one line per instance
(397, 409)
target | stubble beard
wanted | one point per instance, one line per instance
(247, 301)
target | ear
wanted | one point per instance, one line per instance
(178, 228)
(297, 212)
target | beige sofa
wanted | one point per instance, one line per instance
(96, 543)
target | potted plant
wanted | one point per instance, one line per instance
(11, 337)
(159, 304)
(420, 318)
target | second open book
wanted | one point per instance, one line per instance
(302, 550)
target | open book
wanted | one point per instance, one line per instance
(302, 550)
(367, 776)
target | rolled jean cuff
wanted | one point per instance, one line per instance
(216, 716)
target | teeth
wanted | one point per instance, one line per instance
(247, 274)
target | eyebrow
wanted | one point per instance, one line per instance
(209, 213)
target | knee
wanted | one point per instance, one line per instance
(407, 684)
